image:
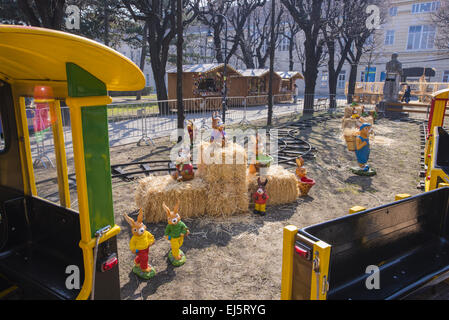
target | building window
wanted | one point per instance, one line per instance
(446, 76)
(393, 11)
(324, 79)
(389, 37)
(341, 80)
(421, 37)
(285, 43)
(426, 7)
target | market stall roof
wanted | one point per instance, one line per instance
(202, 68)
(254, 72)
(287, 75)
(30, 56)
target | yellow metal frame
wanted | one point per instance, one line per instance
(87, 242)
(356, 209)
(29, 182)
(321, 254)
(287, 262)
(433, 173)
(61, 161)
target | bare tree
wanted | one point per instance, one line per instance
(290, 30)
(207, 15)
(255, 40)
(161, 18)
(308, 15)
(364, 41)
(237, 13)
(43, 13)
(440, 19)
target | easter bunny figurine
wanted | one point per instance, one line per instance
(184, 167)
(140, 244)
(304, 183)
(175, 232)
(261, 197)
(218, 130)
(191, 130)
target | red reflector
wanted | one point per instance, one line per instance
(429, 177)
(302, 252)
(108, 265)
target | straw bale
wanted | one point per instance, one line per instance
(155, 190)
(282, 187)
(222, 165)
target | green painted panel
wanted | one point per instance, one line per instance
(81, 83)
(98, 167)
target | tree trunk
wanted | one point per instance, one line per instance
(217, 45)
(106, 23)
(311, 75)
(270, 84)
(161, 88)
(352, 82)
(332, 90)
(290, 54)
(247, 57)
(143, 55)
(180, 106)
(332, 74)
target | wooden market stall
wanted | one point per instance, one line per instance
(287, 90)
(202, 86)
(253, 84)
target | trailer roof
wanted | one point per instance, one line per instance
(30, 56)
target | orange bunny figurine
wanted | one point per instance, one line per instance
(175, 232)
(140, 244)
(218, 133)
(304, 183)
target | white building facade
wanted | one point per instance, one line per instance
(407, 31)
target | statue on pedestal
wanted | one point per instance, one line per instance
(393, 79)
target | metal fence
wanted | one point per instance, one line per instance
(142, 122)
(145, 121)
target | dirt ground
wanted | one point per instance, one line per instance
(240, 257)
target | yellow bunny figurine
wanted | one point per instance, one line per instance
(140, 244)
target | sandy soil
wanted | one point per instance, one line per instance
(240, 257)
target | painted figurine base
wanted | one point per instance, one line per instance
(360, 172)
(144, 275)
(177, 263)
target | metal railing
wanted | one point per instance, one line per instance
(142, 122)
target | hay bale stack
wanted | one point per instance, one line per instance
(224, 172)
(282, 187)
(155, 190)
